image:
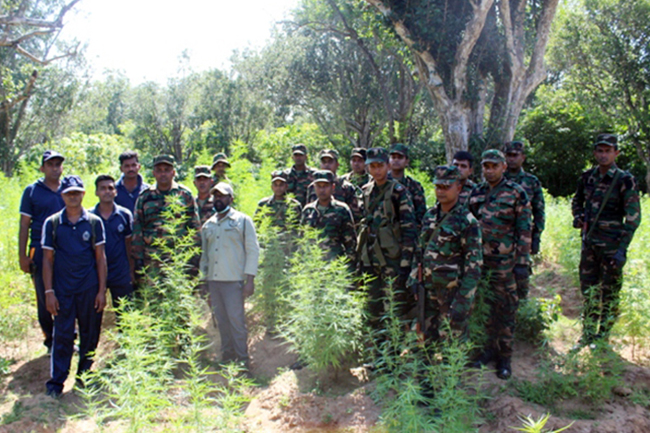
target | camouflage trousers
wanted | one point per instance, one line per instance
(377, 283)
(503, 302)
(436, 309)
(523, 284)
(600, 284)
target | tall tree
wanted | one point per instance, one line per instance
(472, 53)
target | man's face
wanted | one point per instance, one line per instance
(358, 165)
(299, 159)
(203, 185)
(515, 160)
(221, 201)
(464, 167)
(327, 163)
(130, 167)
(398, 161)
(448, 194)
(164, 175)
(493, 171)
(106, 191)
(73, 199)
(220, 169)
(52, 169)
(279, 188)
(323, 190)
(605, 155)
(378, 171)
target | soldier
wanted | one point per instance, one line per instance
(153, 203)
(450, 258)
(203, 183)
(399, 160)
(284, 211)
(387, 235)
(503, 209)
(344, 191)
(606, 207)
(465, 163)
(358, 176)
(130, 184)
(331, 216)
(40, 200)
(515, 158)
(219, 165)
(300, 176)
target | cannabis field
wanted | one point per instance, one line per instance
(161, 373)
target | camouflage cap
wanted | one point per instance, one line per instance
(329, 153)
(51, 154)
(278, 175)
(202, 171)
(323, 176)
(493, 155)
(513, 146)
(164, 159)
(446, 175)
(400, 148)
(358, 151)
(220, 157)
(72, 183)
(299, 148)
(224, 188)
(376, 154)
(607, 140)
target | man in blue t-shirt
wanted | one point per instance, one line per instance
(40, 200)
(130, 184)
(118, 226)
(74, 276)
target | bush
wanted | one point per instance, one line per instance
(535, 316)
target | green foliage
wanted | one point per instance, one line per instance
(530, 425)
(535, 316)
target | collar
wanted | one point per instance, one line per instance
(97, 212)
(172, 188)
(120, 181)
(63, 218)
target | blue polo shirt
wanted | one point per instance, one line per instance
(125, 198)
(38, 203)
(118, 227)
(75, 267)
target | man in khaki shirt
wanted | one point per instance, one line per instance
(229, 259)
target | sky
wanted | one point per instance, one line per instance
(145, 38)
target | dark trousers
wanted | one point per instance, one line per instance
(120, 292)
(45, 319)
(79, 307)
(600, 284)
(503, 304)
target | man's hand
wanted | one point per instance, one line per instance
(619, 259)
(534, 247)
(578, 222)
(521, 272)
(51, 303)
(25, 264)
(100, 301)
(249, 288)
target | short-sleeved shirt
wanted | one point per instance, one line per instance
(126, 198)
(118, 228)
(75, 267)
(38, 203)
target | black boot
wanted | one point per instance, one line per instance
(484, 359)
(504, 370)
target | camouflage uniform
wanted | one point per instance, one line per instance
(605, 241)
(220, 157)
(387, 237)
(413, 186)
(148, 218)
(505, 219)
(335, 221)
(206, 206)
(299, 182)
(344, 192)
(282, 213)
(358, 180)
(451, 258)
(463, 197)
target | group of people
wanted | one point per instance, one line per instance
(375, 216)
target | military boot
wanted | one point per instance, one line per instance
(504, 370)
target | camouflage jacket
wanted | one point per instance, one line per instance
(463, 197)
(505, 217)
(298, 182)
(148, 218)
(533, 188)
(417, 195)
(282, 213)
(337, 226)
(216, 179)
(206, 209)
(357, 180)
(387, 233)
(451, 256)
(347, 193)
(622, 213)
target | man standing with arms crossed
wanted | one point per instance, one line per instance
(606, 207)
(40, 200)
(300, 176)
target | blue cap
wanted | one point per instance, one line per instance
(72, 183)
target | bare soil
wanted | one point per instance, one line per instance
(301, 401)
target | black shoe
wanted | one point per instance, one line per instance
(504, 370)
(298, 365)
(53, 393)
(484, 359)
